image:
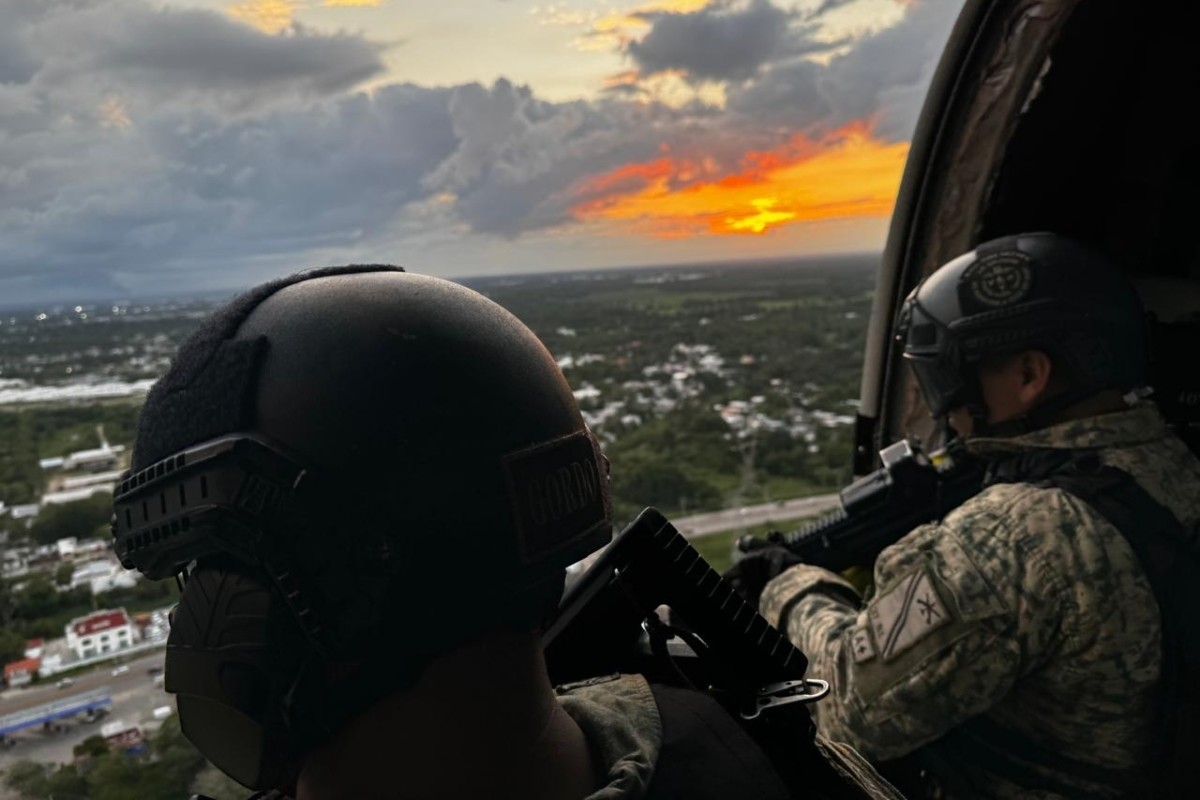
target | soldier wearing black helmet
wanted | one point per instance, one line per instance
(1023, 645)
(372, 483)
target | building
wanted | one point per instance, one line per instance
(34, 648)
(102, 575)
(19, 673)
(71, 495)
(121, 735)
(14, 561)
(101, 632)
(97, 460)
(71, 549)
(109, 478)
(26, 511)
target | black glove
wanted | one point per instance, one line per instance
(756, 568)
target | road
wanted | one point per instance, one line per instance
(731, 519)
(134, 697)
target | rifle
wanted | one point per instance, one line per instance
(911, 488)
(608, 622)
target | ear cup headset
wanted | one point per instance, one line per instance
(352, 470)
(1029, 291)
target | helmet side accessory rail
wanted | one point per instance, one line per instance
(216, 497)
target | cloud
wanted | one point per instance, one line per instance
(274, 16)
(882, 77)
(148, 146)
(137, 137)
(517, 155)
(269, 16)
(718, 42)
(845, 174)
(166, 52)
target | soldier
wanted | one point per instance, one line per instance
(1016, 645)
(372, 483)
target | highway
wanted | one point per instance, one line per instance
(698, 526)
(134, 698)
(731, 519)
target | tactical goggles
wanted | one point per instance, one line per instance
(945, 380)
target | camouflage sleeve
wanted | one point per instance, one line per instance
(959, 611)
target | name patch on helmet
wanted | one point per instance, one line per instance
(999, 279)
(556, 492)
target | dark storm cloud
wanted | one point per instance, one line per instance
(517, 155)
(62, 49)
(189, 186)
(140, 144)
(137, 139)
(183, 50)
(719, 42)
(882, 79)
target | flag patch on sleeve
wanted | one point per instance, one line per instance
(860, 645)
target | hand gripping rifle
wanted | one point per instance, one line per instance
(911, 488)
(609, 622)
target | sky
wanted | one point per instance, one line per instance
(149, 147)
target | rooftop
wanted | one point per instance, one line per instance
(24, 665)
(100, 621)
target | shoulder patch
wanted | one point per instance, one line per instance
(904, 615)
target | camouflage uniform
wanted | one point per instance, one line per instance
(1023, 608)
(619, 718)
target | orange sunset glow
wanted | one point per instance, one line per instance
(847, 174)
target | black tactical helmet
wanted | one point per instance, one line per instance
(1029, 291)
(357, 469)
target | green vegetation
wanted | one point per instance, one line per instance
(12, 645)
(659, 355)
(655, 354)
(717, 549)
(164, 771)
(82, 519)
(37, 609)
(29, 433)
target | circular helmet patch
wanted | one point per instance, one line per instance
(999, 279)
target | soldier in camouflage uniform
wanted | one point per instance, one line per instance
(1016, 644)
(371, 483)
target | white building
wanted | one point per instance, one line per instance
(102, 575)
(25, 511)
(14, 561)
(97, 460)
(79, 481)
(101, 632)
(70, 496)
(71, 549)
